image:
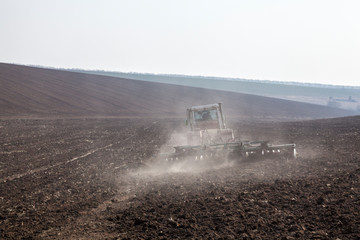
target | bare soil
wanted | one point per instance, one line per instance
(95, 179)
(37, 92)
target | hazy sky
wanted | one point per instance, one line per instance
(314, 41)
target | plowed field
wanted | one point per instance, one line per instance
(95, 179)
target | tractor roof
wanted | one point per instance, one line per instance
(204, 107)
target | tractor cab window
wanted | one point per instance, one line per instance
(206, 115)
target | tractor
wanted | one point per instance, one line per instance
(209, 138)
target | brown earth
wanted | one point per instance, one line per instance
(37, 92)
(78, 160)
(93, 179)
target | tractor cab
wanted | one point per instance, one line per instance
(205, 117)
(207, 125)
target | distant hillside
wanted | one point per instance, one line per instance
(302, 92)
(30, 91)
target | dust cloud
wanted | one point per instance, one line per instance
(223, 164)
(161, 164)
(189, 164)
